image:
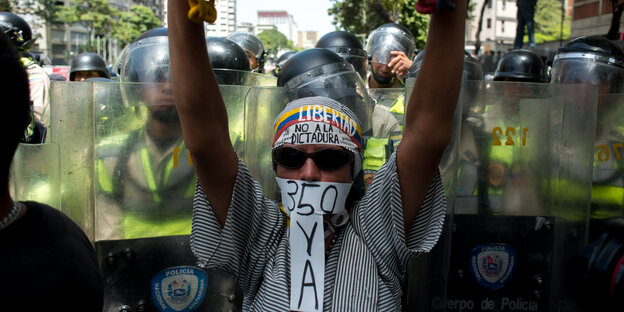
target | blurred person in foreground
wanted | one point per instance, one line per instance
(325, 252)
(44, 256)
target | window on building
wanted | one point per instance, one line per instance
(489, 23)
(489, 3)
(57, 34)
(503, 27)
(81, 38)
(58, 48)
(504, 4)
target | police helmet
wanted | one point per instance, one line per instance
(349, 47)
(156, 32)
(521, 65)
(57, 77)
(472, 68)
(147, 58)
(89, 62)
(320, 72)
(416, 63)
(252, 44)
(145, 61)
(229, 61)
(387, 38)
(17, 30)
(593, 60)
(282, 60)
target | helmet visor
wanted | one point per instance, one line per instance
(577, 70)
(146, 61)
(244, 78)
(248, 42)
(337, 81)
(382, 42)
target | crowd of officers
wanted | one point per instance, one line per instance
(135, 171)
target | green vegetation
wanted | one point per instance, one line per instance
(274, 42)
(361, 17)
(548, 22)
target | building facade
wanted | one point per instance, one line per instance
(226, 19)
(498, 29)
(61, 42)
(307, 39)
(283, 21)
(592, 17)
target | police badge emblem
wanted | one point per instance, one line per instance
(492, 264)
(179, 289)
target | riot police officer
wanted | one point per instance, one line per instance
(349, 47)
(21, 35)
(599, 62)
(88, 65)
(145, 175)
(253, 47)
(503, 179)
(521, 65)
(390, 48)
(281, 60)
(231, 60)
(145, 185)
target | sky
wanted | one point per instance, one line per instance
(308, 14)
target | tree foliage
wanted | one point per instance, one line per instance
(46, 10)
(548, 22)
(95, 15)
(133, 23)
(6, 6)
(274, 41)
(362, 17)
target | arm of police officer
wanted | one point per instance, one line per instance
(201, 109)
(429, 117)
(400, 64)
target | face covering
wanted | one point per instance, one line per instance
(305, 203)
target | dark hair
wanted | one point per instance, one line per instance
(16, 111)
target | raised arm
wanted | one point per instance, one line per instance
(201, 109)
(429, 116)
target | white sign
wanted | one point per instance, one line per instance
(306, 202)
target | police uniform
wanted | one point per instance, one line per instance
(145, 190)
(39, 83)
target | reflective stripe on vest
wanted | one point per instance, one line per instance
(374, 153)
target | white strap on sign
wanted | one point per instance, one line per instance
(306, 202)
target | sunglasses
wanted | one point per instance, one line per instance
(327, 159)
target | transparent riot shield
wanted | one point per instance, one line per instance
(143, 187)
(72, 128)
(244, 78)
(263, 104)
(435, 264)
(597, 283)
(608, 167)
(522, 193)
(35, 174)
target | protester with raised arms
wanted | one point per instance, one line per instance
(316, 250)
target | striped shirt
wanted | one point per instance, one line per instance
(365, 266)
